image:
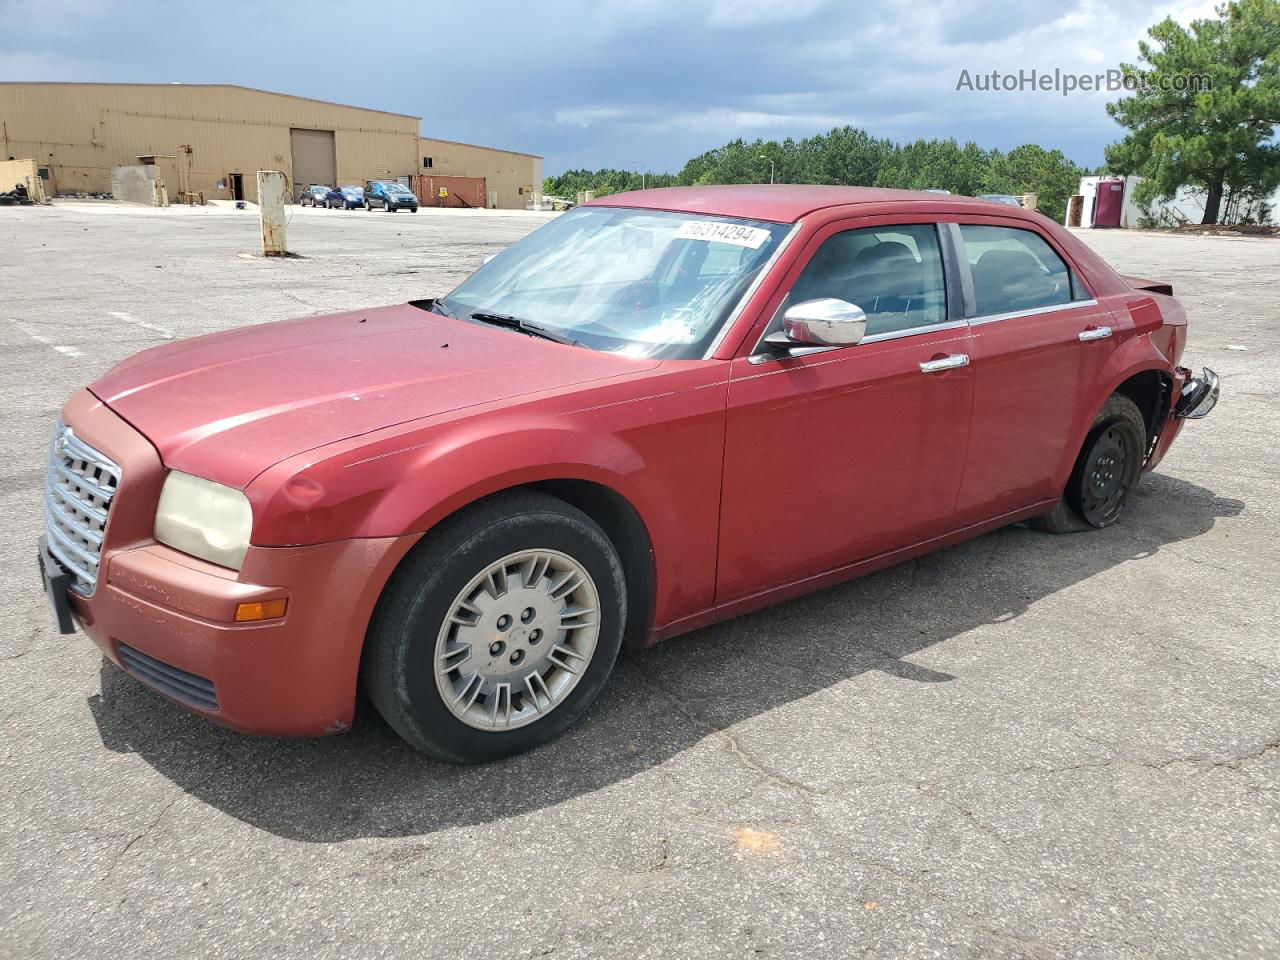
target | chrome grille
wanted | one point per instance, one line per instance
(78, 490)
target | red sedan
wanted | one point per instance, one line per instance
(660, 410)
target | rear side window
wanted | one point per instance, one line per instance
(1014, 270)
(893, 273)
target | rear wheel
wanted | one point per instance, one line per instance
(1105, 473)
(498, 630)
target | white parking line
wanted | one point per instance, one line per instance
(60, 348)
(131, 319)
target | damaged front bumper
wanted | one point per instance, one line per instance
(1198, 397)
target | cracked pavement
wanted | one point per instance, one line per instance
(1023, 746)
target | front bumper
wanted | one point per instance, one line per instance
(168, 619)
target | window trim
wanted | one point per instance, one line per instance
(1030, 312)
(1074, 277)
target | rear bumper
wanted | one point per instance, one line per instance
(1198, 396)
(168, 619)
(1191, 398)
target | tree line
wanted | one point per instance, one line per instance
(852, 156)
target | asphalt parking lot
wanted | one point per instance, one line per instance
(1023, 746)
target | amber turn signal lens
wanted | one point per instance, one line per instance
(261, 610)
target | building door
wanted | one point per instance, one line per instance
(237, 186)
(314, 159)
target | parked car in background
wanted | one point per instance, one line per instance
(390, 196)
(660, 410)
(1006, 199)
(314, 196)
(345, 198)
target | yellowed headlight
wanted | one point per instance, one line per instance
(205, 519)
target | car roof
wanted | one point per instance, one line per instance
(782, 202)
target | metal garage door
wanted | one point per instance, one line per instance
(314, 160)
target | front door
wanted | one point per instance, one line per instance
(846, 453)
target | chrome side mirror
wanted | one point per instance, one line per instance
(825, 323)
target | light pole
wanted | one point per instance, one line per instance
(636, 164)
(770, 159)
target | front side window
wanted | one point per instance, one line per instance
(1014, 270)
(639, 282)
(893, 273)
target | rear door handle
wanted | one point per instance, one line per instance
(1095, 333)
(946, 363)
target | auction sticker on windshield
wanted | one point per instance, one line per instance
(732, 233)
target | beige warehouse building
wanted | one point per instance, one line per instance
(213, 138)
(511, 177)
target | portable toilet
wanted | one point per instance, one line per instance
(1108, 202)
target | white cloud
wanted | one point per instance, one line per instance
(745, 13)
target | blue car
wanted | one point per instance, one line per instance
(344, 198)
(390, 196)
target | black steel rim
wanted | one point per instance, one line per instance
(1107, 475)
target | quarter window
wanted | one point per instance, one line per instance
(893, 273)
(1014, 270)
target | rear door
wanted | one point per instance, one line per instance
(845, 453)
(1038, 342)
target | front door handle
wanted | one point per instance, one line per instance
(946, 363)
(1095, 333)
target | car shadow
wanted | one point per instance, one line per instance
(660, 701)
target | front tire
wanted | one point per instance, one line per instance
(1105, 473)
(498, 630)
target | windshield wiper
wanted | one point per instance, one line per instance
(509, 322)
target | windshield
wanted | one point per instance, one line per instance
(640, 282)
(396, 188)
(349, 191)
(319, 189)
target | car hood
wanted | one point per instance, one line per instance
(229, 405)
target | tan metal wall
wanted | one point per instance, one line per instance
(512, 176)
(81, 130)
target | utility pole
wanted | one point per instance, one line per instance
(770, 159)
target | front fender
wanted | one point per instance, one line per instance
(661, 451)
(409, 489)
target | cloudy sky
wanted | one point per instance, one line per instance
(621, 83)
